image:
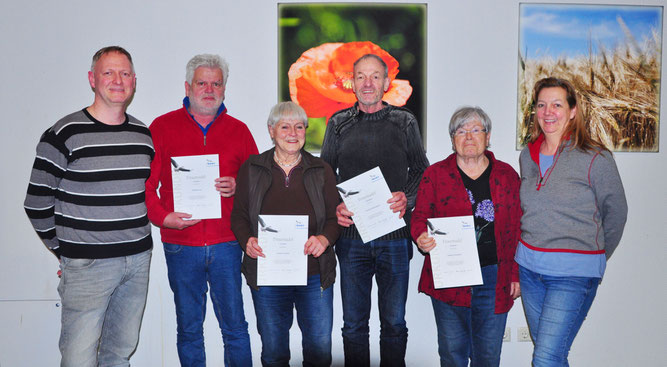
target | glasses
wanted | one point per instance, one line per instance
(475, 131)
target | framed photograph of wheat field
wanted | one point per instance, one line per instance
(612, 56)
(319, 42)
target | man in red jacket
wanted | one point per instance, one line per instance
(202, 253)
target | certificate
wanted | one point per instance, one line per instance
(193, 180)
(366, 196)
(454, 258)
(282, 239)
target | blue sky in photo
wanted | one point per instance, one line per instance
(557, 30)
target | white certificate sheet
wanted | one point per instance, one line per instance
(366, 196)
(282, 239)
(454, 258)
(193, 180)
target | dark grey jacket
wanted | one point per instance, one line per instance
(355, 142)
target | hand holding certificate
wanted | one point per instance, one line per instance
(454, 258)
(282, 239)
(193, 180)
(366, 196)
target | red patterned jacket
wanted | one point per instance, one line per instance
(442, 194)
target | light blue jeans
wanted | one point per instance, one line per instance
(472, 333)
(555, 310)
(274, 308)
(192, 270)
(103, 302)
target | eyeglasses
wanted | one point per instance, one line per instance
(475, 131)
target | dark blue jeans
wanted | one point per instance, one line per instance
(274, 307)
(555, 310)
(191, 270)
(389, 262)
(472, 333)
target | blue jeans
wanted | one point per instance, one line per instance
(472, 333)
(389, 261)
(555, 309)
(103, 302)
(314, 313)
(191, 270)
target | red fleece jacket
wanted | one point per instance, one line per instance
(177, 134)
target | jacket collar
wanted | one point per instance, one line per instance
(353, 114)
(534, 147)
(307, 160)
(451, 160)
(378, 115)
(222, 110)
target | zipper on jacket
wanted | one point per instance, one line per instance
(287, 175)
(204, 139)
(549, 170)
(539, 171)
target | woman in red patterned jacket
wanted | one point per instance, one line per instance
(471, 320)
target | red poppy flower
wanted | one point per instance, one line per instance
(320, 81)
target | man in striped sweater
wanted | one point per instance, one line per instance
(86, 201)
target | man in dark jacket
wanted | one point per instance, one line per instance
(373, 133)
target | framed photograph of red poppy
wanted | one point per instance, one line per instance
(319, 42)
(612, 56)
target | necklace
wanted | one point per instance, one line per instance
(286, 165)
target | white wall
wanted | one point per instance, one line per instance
(472, 59)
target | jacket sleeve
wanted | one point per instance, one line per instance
(156, 212)
(417, 162)
(331, 199)
(328, 153)
(425, 199)
(250, 145)
(47, 171)
(240, 217)
(610, 198)
(515, 213)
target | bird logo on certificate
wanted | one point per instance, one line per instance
(366, 196)
(193, 181)
(454, 259)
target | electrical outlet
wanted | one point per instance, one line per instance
(523, 334)
(507, 336)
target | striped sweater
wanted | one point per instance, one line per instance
(86, 193)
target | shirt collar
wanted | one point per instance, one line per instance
(221, 109)
(186, 104)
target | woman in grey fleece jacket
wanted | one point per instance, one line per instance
(574, 211)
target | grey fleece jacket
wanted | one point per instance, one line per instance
(578, 205)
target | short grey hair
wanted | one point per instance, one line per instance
(209, 61)
(109, 49)
(376, 58)
(286, 110)
(466, 114)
